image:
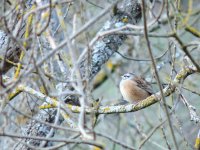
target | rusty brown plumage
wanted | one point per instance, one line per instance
(134, 88)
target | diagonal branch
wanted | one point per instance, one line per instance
(131, 107)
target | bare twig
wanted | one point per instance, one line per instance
(156, 74)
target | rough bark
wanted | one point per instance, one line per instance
(129, 11)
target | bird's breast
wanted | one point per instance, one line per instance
(131, 92)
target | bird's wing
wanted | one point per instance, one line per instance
(143, 84)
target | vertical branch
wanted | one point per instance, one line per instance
(156, 74)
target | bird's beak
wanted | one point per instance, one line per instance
(122, 77)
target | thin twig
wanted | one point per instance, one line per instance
(156, 74)
(116, 141)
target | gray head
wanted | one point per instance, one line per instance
(128, 76)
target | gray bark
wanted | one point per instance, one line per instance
(106, 46)
(129, 11)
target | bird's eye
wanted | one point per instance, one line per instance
(126, 76)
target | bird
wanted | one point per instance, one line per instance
(134, 88)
